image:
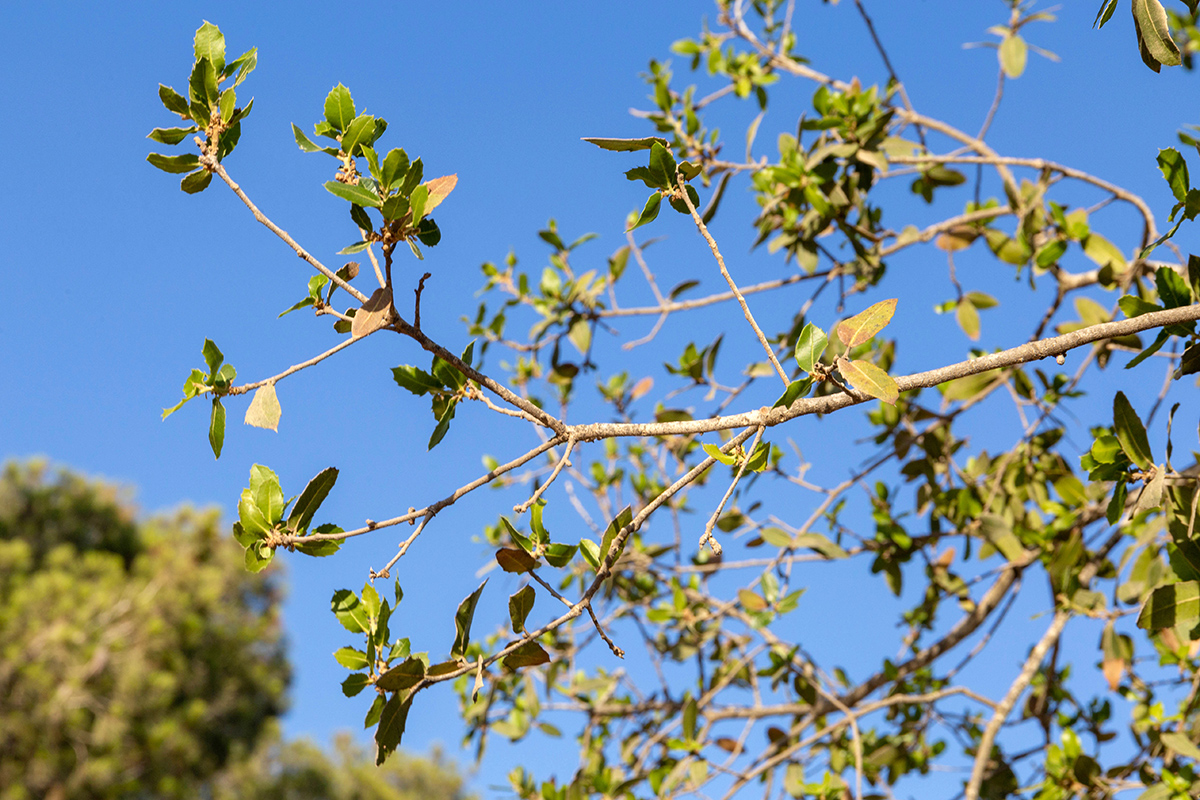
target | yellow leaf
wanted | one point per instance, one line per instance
(869, 379)
(439, 190)
(264, 410)
(861, 327)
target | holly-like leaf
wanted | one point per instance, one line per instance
(559, 555)
(173, 101)
(462, 623)
(209, 43)
(339, 108)
(354, 684)
(519, 606)
(861, 327)
(358, 133)
(310, 499)
(349, 611)
(625, 145)
(1130, 431)
(794, 391)
(391, 726)
(264, 410)
(869, 379)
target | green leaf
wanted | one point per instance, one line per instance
(349, 611)
(559, 555)
(354, 684)
(339, 108)
(350, 658)
(242, 66)
(391, 727)
(1175, 171)
(267, 494)
(512, 559)
(662, 166)
(462, 623)
(590, 552)
(175, 164)
(1013, 54)
(1171, 605)
(967, 317)
(1154, 34)
(624, 145)
(216, 427)
(649, 211)
(794, 391)
(519, 606)
(1172, 288)
(264, 410)
(530, 654)
(1105, 13)
(623, 519)
(311, 498)
(173, 100)
(202, 90)
(170, 135)
(1134, 306)
(355, 194)
(1155, 346)
(1000, 535)
(258, 556)
(869, 379)
(1103, 252)
(404, 675)
(416, 380)
(715, 452)
(307, 145)
(810, 346)
(1130, 432)
(820, 543)
(443, 425)
(1180, 744)
(861, 327)
(417, 201)
(254, 524)
(689, 719)
(196, 182)
(210, 43)
(358, 133)
(394, 167)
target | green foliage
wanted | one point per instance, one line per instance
(141, 659)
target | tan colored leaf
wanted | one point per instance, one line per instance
(869, 379)
(264, 410)
(1113, 669)
(861, 327)
(439, 190)
(373, 315)
(957, 238)
(750, 601)
(641, 388)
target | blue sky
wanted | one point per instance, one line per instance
(114, 277)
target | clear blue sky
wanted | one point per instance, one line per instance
(114, 277)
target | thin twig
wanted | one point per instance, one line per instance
(712, 245)
(213, 165)
(565, 461)
(712, 520)
(297, 367)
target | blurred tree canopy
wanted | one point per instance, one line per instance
(139, 659)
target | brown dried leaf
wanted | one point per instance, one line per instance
(957, 238)
(1113, 669)
(373, 315)
(641, 388)
(512, 559)
(439, 190)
